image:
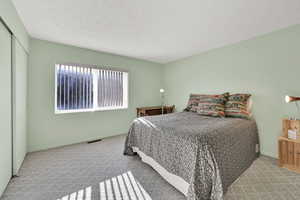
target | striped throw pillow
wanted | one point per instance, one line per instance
(209, 105)
(236, 106)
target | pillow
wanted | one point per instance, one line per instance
(193, 101)
(237, 106)
(209, 105)
(249, 106)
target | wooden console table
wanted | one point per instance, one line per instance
(154, 110)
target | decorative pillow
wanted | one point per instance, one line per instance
(210, 105)
(249, 106)
(237, 106)
(193, 101)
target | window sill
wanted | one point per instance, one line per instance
(90, 110)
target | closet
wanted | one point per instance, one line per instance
(6, 146)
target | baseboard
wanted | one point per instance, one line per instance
(82, 142)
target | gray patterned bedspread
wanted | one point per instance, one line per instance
(207, 152)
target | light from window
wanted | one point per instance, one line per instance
(82, 89)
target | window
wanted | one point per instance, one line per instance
(82, 89)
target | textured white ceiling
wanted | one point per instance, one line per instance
(155, 30)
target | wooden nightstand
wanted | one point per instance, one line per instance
(289, 149)
(154, 110)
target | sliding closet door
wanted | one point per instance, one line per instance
(5, 108)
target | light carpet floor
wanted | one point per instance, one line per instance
(99, 171)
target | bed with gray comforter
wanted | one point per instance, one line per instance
(209, 153)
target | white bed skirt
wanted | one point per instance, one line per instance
(179, 183)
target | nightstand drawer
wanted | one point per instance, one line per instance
(297, 154)
(291, 153)
(283, 152)
(287, 152)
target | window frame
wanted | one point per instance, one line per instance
(95, 108)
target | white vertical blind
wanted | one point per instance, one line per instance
(110, 88)
(86, 89)
(73, 88)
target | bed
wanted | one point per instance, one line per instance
(201, 156)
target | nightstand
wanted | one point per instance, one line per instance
(289, 149)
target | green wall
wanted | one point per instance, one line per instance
(268, 67)
(46, 130)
